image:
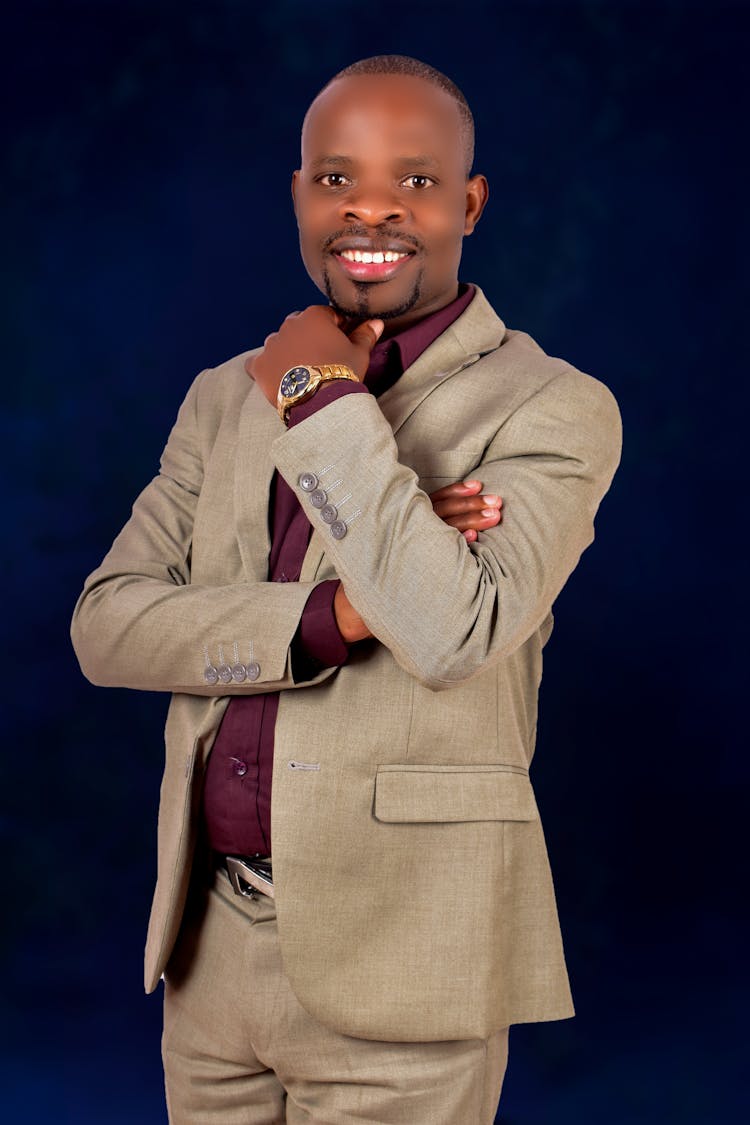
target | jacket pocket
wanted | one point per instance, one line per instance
(424, 794)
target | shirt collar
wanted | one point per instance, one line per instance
(390, 358)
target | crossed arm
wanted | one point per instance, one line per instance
(443, 606)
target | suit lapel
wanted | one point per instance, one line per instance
(258, 425)
(477, 331)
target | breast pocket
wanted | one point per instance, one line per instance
(428, 794)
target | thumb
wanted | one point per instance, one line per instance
(367, 334)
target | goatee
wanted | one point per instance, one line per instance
(362, 311)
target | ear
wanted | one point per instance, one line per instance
(477, 194)
(295, 177)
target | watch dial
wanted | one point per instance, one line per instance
(295, 381)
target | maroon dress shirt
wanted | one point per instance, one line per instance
(237, 795)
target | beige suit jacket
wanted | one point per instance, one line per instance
(413, 890)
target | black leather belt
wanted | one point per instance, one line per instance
(249, 874)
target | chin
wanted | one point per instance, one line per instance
(365, 303)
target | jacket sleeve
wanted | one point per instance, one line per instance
(141, 623)
(446, 609)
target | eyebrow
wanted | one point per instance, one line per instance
(332, 161)
(337, 161)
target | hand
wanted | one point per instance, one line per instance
(316, 335)
(464, 506)
(350, 624)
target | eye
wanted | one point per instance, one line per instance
(333, 179)
(417, 181)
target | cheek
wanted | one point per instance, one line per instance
(444, 227)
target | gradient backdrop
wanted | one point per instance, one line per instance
(147, 234)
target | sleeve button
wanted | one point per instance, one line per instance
(318, 498)
(328, 513)
(225, 673)
(253, 670)
(211, 676)
(239, 673)
(338, 529)
(308, 482)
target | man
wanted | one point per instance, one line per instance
(354, 900)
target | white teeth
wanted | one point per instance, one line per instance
(377, 257)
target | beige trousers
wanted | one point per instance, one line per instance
(239, 1049)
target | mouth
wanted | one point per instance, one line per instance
(364, 261)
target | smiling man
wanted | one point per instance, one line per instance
(354, 900)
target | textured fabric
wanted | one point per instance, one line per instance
(371, 945)
(237, 793)
(239, 1049)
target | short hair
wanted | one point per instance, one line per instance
(414, 68)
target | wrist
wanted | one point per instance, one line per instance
(300, 383)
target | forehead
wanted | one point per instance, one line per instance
(402, 113)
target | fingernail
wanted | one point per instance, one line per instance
(494, 500)
(472, 483)
(489, 511)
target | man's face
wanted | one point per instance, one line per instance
(382, 199)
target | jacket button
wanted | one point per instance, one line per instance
(211, 676)
(239, 673)
(225, 673)
(328, 513)
(308, 482)
(318, 498)
(338, 529)
(253, 670)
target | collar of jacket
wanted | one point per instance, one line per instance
(477, 331)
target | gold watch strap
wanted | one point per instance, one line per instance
(326, 373)
(334, 371)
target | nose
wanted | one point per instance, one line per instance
(372, 206)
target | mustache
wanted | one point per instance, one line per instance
(384, 234)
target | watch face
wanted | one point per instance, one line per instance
(294, 382)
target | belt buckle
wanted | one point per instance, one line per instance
(239, 869)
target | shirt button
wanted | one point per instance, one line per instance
(239, 768)
(328, 513)
(225, 673)
(239, 673)
(308, 482)
(211, 676)
(338, 529)
(253, 670)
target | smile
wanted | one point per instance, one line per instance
(371, 265)
(378, 256)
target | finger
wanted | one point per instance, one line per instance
(249, 365)
(367, 334)
(458, 488)
(470, 536)
(476, 521)
(457, 505)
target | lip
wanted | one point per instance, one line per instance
(360, 242)
(371, 271)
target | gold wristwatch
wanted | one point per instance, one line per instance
(301, 382)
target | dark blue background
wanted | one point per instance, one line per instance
(148, 233)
